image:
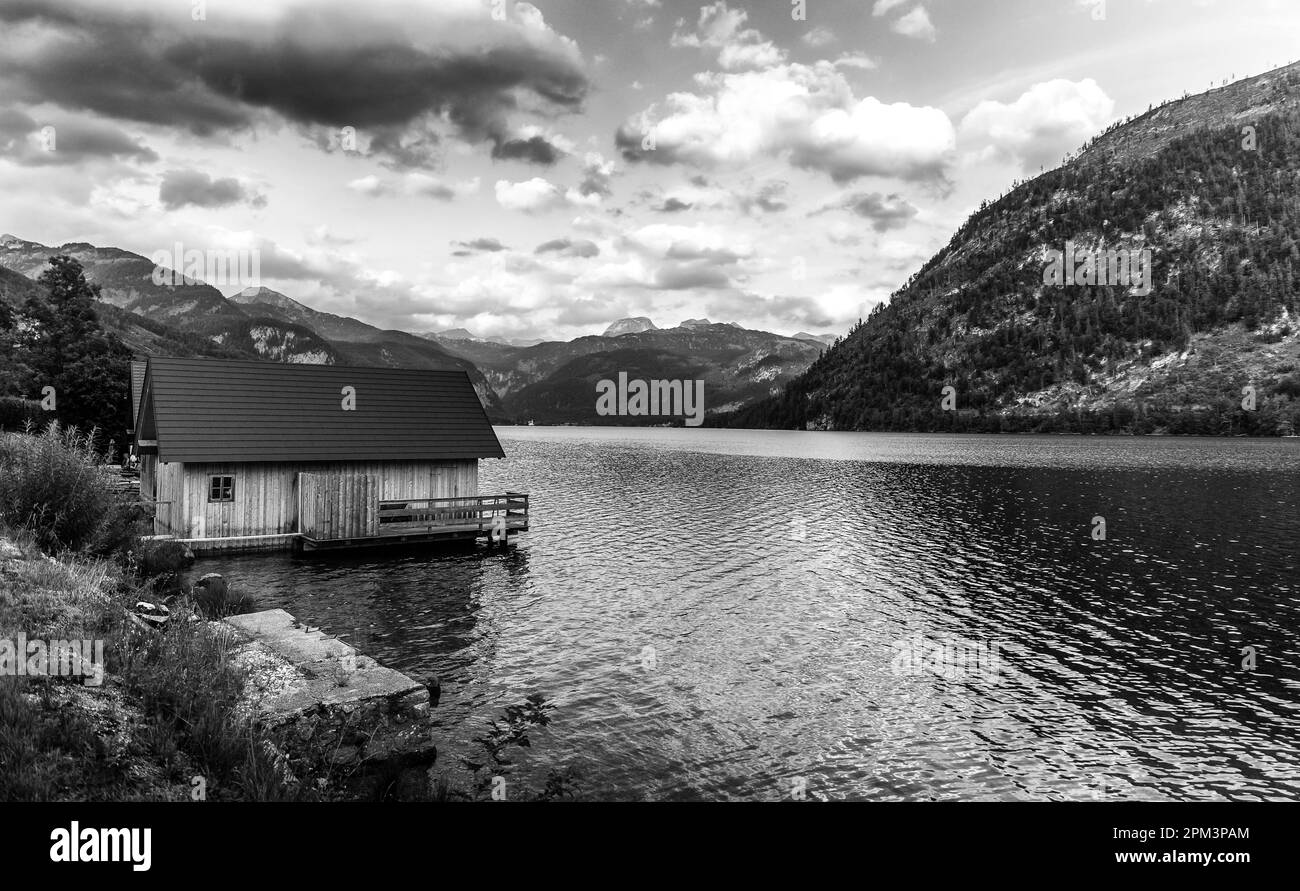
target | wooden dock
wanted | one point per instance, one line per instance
(326, 524)
(329, 520)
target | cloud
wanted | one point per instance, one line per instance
(531, 196)
(490, 245)
(700, 242)
(372, 66)
(596, 175)
(535, 149)
(884, 211)
(673, 205)
(194, 187)
(856, 60)
(1043, 124)
(569, 247)
(806, 114)
(770, 197)
(916, 24)
(62, 139)
(881, 7)
(680, 276)
(818, 37)
(415, 184)
(723, 29)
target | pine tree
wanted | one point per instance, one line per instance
(62, 345)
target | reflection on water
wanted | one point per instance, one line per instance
(716, 613)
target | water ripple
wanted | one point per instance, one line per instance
(773, 577)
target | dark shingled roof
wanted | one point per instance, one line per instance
(226, 410)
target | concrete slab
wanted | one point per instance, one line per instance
(324, 700)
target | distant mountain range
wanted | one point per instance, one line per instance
(1204, 188)
(463, 334)
(555, 381)
(193, 318)
(520, 381)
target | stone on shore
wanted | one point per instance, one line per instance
(325, 703)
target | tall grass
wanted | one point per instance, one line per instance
(52, 485)
(185, 678)
(179, 680)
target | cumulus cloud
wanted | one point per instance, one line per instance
(596, 175)
(490, 245)
(370, 66)
(196, 188)
(62, 139)
(885, 212)
(415, 184)
(818, 37)
(723, 29)
(700, 194)
(530, 196)
(1044, 123)
(535, 149)
(856, 60)
(569, 247)
(806, 114)
(916, 24)
(883, 6)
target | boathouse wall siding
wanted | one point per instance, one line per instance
(266, 494)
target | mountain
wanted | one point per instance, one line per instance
(457, 334)
(827, 339)
(629, 326)
(126, 282)
(141, 335)
(16, 287)
(357, 343)
(555, 381)
(1202, 193)
(465, 334)
(569, 395)
(193, 318)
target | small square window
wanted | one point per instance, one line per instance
(221, 488)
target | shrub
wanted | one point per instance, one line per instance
(162, 565)
(1289, 385)
(17, 413)
(51, 484)
(186, 678)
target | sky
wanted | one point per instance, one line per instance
(539, 170)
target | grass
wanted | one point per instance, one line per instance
(52, 484)
(166, 721)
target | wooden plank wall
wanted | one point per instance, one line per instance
(169, 517)
(339, 506)
(266, 495)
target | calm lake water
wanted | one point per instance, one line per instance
(718, 614)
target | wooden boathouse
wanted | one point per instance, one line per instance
(239, 455)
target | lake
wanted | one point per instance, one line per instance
(725, 614)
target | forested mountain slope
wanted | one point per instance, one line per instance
(1209, 185)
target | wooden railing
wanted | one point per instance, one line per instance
(454, 514)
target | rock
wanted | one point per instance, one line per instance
(345, 755)
(164, 558)
(214, 597)
(214, 585)
(154, 614)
